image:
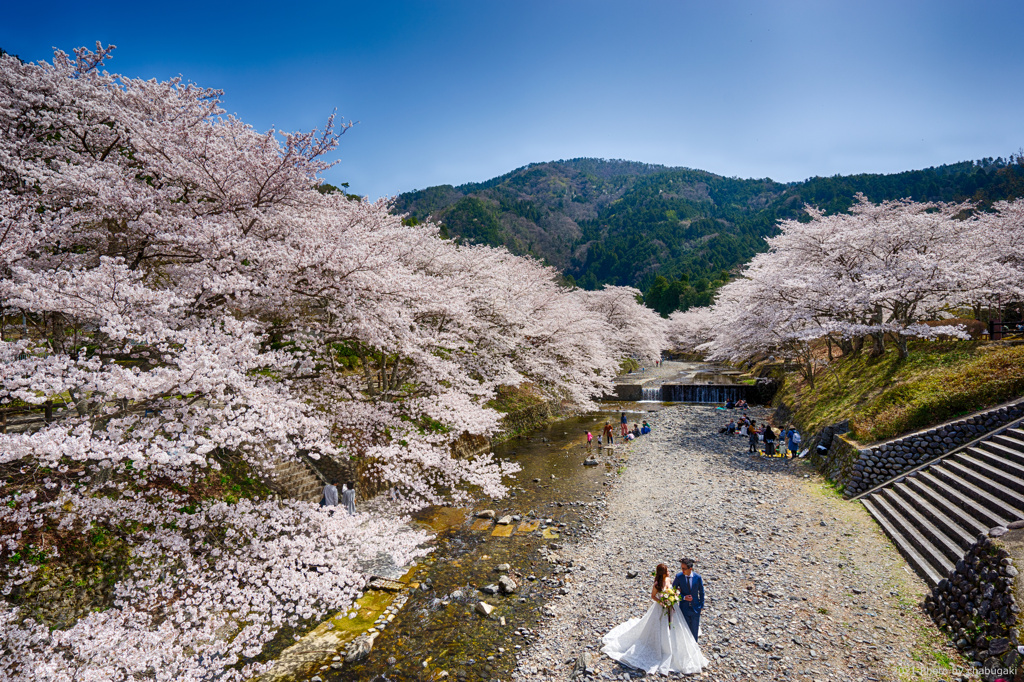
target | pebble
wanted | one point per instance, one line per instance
(778, 552)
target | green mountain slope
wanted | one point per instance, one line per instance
(673, 232)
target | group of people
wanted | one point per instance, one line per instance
(627, 434)
(740, 404)
(348, 496)
(746, 427)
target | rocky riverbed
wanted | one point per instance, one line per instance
(800, 584)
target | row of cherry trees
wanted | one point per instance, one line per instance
(882, 269)
(180, 287)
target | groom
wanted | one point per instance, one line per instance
(691, 588)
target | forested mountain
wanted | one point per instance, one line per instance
(675, 233)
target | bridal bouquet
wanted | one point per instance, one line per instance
(668, 598)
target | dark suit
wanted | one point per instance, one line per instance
(690, 609)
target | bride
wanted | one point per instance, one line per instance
(656, 643)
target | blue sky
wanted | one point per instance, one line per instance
(453, 92)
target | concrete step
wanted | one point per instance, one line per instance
(1000, 461)
(295, 479)
(993, 481)
(982, 514)
(999, 450)
(1010, 440)
(933, 515)
(917, 535)
(967, 481)
(958, 509)
(952, 538)
(923, 567)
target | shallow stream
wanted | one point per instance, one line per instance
(438, 630)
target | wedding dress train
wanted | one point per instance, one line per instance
(649, 644)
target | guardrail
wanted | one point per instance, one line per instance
(998, 330)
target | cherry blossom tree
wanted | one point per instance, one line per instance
(192, 301)
(879, 270)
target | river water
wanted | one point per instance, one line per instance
(438, 630)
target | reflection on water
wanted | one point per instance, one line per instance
(439, 630)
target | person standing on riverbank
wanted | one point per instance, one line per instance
(752, 435)
(769, 441)
(624, 424)
(330, 496)
(793, 442)
(348, 498)
(691, 587)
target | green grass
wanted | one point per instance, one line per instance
(885, 396)
(515, 398)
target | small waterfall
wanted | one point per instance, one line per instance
(702, 393)
(651, 393)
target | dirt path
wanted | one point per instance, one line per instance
(800, 584)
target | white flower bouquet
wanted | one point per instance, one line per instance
(668, 598)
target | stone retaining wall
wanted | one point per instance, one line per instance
(528, 418)
(976, 606)
(885, 461)
(837, 461)
(627, 392)
(468, 446)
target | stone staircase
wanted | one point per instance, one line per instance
(935, 512)
(297, 479)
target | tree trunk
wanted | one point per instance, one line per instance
(858, 345)
(877, 344)
(808, 372)
(901, 343)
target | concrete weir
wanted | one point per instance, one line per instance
(685, 382)
(703, 393)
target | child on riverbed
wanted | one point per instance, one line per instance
(590, 439)
(752, 436)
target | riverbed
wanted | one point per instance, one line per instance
(557, 500)
(800, 583)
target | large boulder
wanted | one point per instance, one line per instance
(584, 665)
(360, 648)
(507, 585)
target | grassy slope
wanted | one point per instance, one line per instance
(884, 397)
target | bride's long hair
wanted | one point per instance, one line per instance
(660, 576)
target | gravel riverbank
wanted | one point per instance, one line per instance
(800, 584)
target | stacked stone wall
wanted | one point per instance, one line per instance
(977, 605)
(885, 461)
(470, 445)
(520, 421)
(837, 461)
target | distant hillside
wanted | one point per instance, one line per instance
(675, 233)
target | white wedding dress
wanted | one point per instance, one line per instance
(649, 644)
